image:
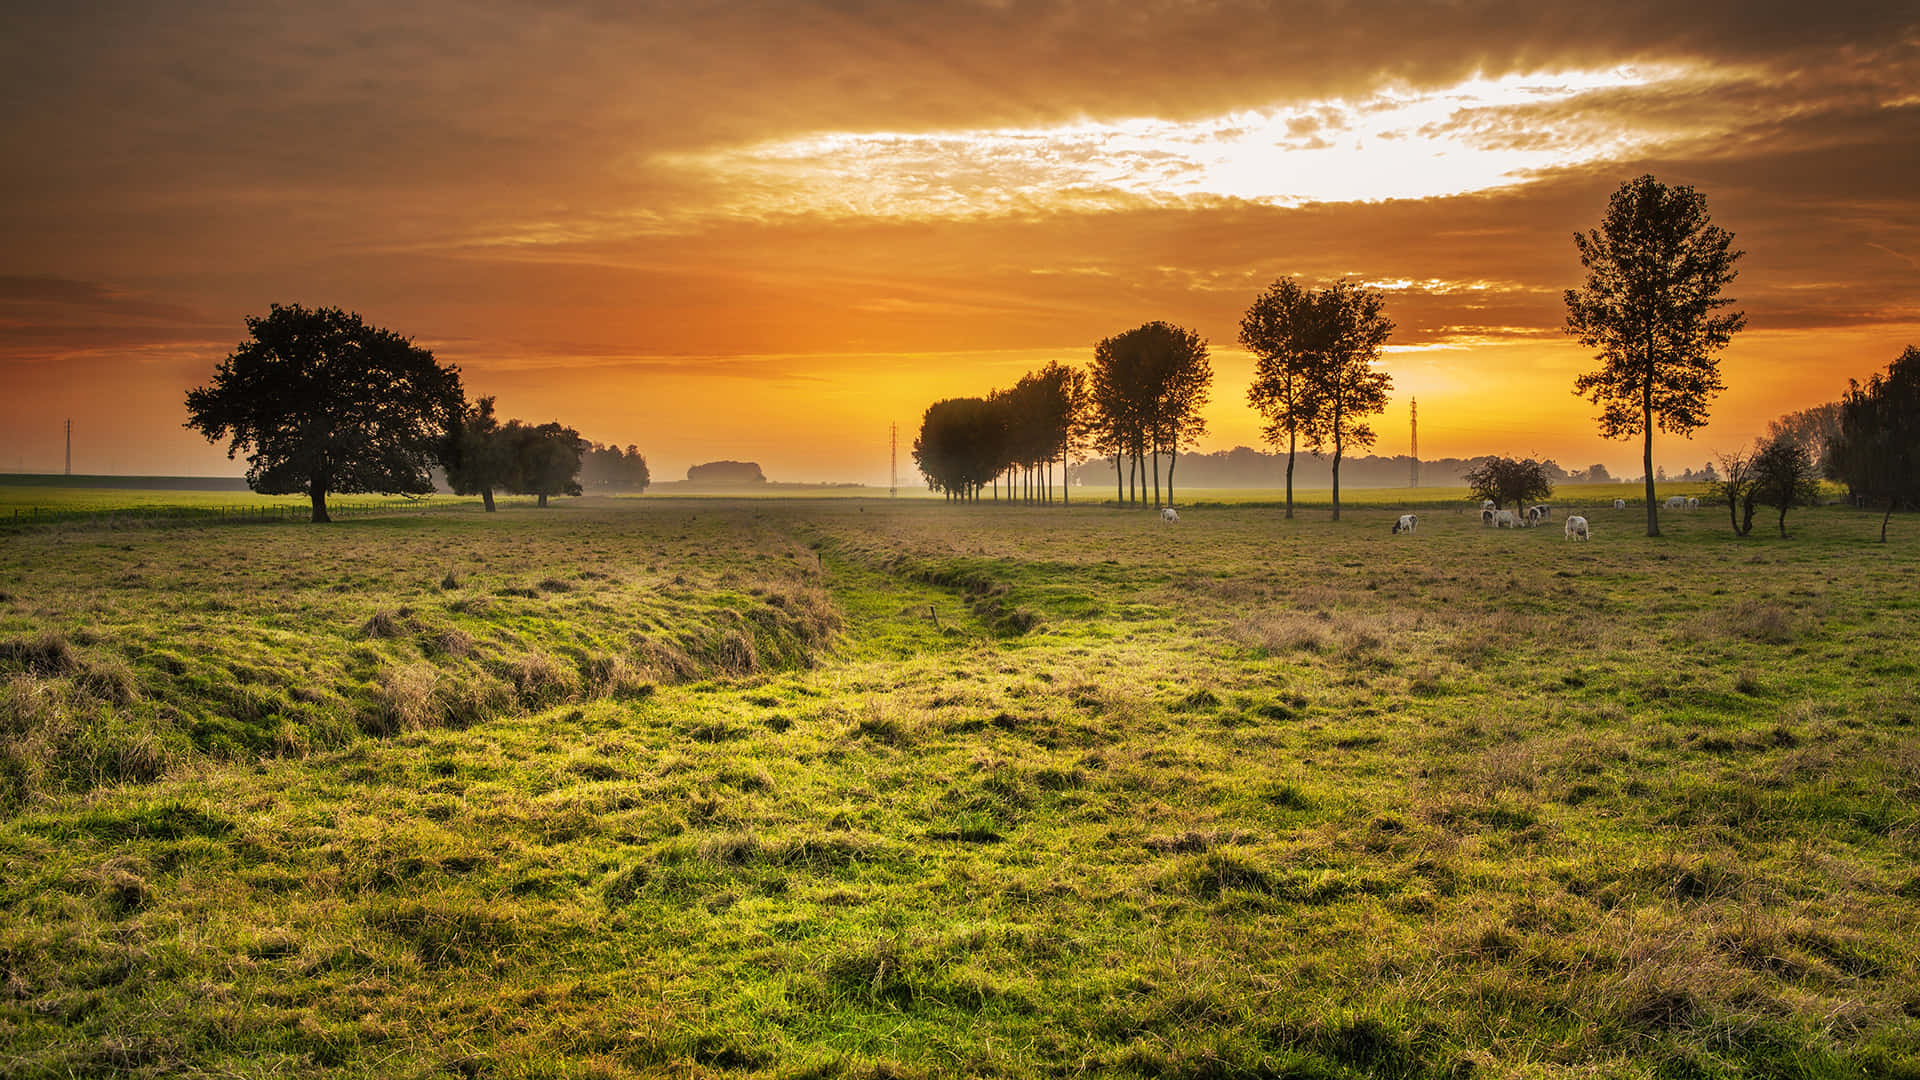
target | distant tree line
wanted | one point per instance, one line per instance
(325, 404)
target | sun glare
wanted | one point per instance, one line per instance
(1396, 144)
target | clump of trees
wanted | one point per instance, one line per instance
(1651, 307)
(1510, 481)
(1314, 379)
(1019, 434)
(726, 472)
(481, 454)
(1876, 451)
(1147, 388)
(326, 404)
(609, 468)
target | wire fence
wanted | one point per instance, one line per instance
(144, 517)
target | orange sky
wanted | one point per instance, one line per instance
(766, 231)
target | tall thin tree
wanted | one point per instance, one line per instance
(1342, 381)
(1651, 307)
(1279, 329)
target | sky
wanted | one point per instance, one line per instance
(768, 231)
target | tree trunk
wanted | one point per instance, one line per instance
(318, 493)
(1173, 459)
(1119, 485)
(543, 500)
(1891, 500)
(1336, 473)
(1783, 522)
(1156, 478)
(486, 498)
(1646, 456)
(1746, 526)
(1292, 439)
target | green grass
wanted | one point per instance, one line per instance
(858, 788)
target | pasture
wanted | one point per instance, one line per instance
(863, 788)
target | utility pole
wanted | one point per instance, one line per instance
(1413, 418)
(893, 461)
(69, 446)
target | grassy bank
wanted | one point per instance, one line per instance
(830, 787)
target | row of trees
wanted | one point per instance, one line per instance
(325, 404)
(1140, 403)
(966, 445)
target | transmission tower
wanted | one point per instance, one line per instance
(1413, 419)
(893, 460)
(69, 446)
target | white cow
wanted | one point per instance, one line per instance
(1693, 503)
(1577, 527)
(1675, 502)
(1486, 517)
(1169, 515)
(1504, 519)
(1406, 523)
(1538, 514)
(1486, 504)
(1619, 504)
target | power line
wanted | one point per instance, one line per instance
(69, 446)
(893, 460)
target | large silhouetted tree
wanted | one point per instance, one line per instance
(545, 459)
(1651, 308)
(477, 459)
(1876, 452)
(326, 404)
(1281, 331)
(1351, 327)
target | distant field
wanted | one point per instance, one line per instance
(837, 787)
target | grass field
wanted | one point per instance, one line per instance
(868, 789)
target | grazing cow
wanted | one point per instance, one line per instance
(1675, 502)
(1619, 504)
(1406, 523)
(1504, 519)
(1577, 527)
(1169, 515)
(1538, 514)
(1693, 503)
(1486, 517)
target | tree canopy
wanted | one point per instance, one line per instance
(1651, 308)
(326, 404)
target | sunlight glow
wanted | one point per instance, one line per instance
(1396, 144)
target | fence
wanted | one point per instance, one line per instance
(150, 516)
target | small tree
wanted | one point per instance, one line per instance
(1655, 270)
(1734, 486)
(1505, 480)
(1876, 452)
(477, 459)
(1784, 476)
(546, 459)
(326, 403)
